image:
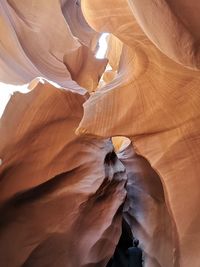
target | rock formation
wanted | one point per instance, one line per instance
(62, 186)
(146, 211)
(58, 55)
(61, 195)
(154, 101)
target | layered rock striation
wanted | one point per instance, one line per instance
(62, 187)
(61, 195)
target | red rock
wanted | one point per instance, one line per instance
(60, 206)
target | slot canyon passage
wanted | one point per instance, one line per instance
(98, 152)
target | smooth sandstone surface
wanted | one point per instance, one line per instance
(61, 195)
(71, 10)
(62, 188)
(173, 26)
(154, 101)
(145, 210)
(37, 41)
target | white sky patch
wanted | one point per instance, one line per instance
(108, 67)
(102, 46)
(6, 91)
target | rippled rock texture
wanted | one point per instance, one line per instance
(62, 187)
(61, 195)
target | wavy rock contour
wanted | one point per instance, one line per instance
(61, 195)
(154, 101)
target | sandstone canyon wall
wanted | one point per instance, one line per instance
(63, 189)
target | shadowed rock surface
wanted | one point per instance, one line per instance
(62, 187)
(60, 202)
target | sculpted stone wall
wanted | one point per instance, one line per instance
(63, 190)
(61, 195)
(154, 101)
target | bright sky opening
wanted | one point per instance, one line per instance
(103, 46)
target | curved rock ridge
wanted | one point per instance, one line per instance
(154, 101)
(173, 26)
(146, 212)
(72, 12)
(37, 41)
(62, 187)
(60, 195)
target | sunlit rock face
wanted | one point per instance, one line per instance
(62, 188)
(71, 10)
(154, 101)
(173, 26)
(61, 195)
(37, 41)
